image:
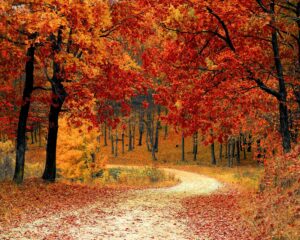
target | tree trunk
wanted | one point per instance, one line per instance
(141, 128)
(284, 127)
(116, 148)
(50, 167)
(213, 156)
(182, 148)
(133, 136)
(195, 148)
(109, 132)
(112, 144)
(58, 97)
(35, 132)
(129, 136)
(166, 126)
(153, 153)
(23, 116)
(149, 132)
(283, 109)
(229, 153)
(238, 153)
(123, 142)
(105, 134)
(156, 135)
(232, 150)
(221, 152)
(148, 140)
(32, 136)
(166, 132)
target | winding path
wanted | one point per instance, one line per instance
(138, 214)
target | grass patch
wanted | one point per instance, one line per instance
(136, 177)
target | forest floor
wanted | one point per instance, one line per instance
(162, 213)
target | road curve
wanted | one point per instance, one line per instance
(138, 214)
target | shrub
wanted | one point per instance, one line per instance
(135, 176)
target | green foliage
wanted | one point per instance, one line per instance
(114, 173)
(134, 176)
(154, 174)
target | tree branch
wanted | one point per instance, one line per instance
(227, 38)
(264, 8)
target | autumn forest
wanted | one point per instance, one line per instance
(149, 119)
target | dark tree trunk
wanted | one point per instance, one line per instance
(232, 150)
(156, 136)
(229, 153)
(221, 152)
(157, 130)
(133, 136)
(112, 144)
(116, 144)
(109, 132)
(35, 132)
(105, 134)
(141, 137)
(238, 153)
(226, 149)
(129, 136)
(195, 146)
(284, 127)
(153, 153)
(141, 128)
(166, 126)
(166, 132)
(213, 156)
(244, 143)
(50, 167)
(182, 148)
(123, 142)
(32, 136)
(297, 88)
(23, 116)
(283, 109)
(149, 139)
(58, 97)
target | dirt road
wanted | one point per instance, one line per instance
(137, 215)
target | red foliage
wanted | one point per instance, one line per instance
(36, 199)
(217, 217)
(276, 210)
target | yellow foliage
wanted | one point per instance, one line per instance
(129, 63)
(6, 147)
(77, 154)
(175, 13)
